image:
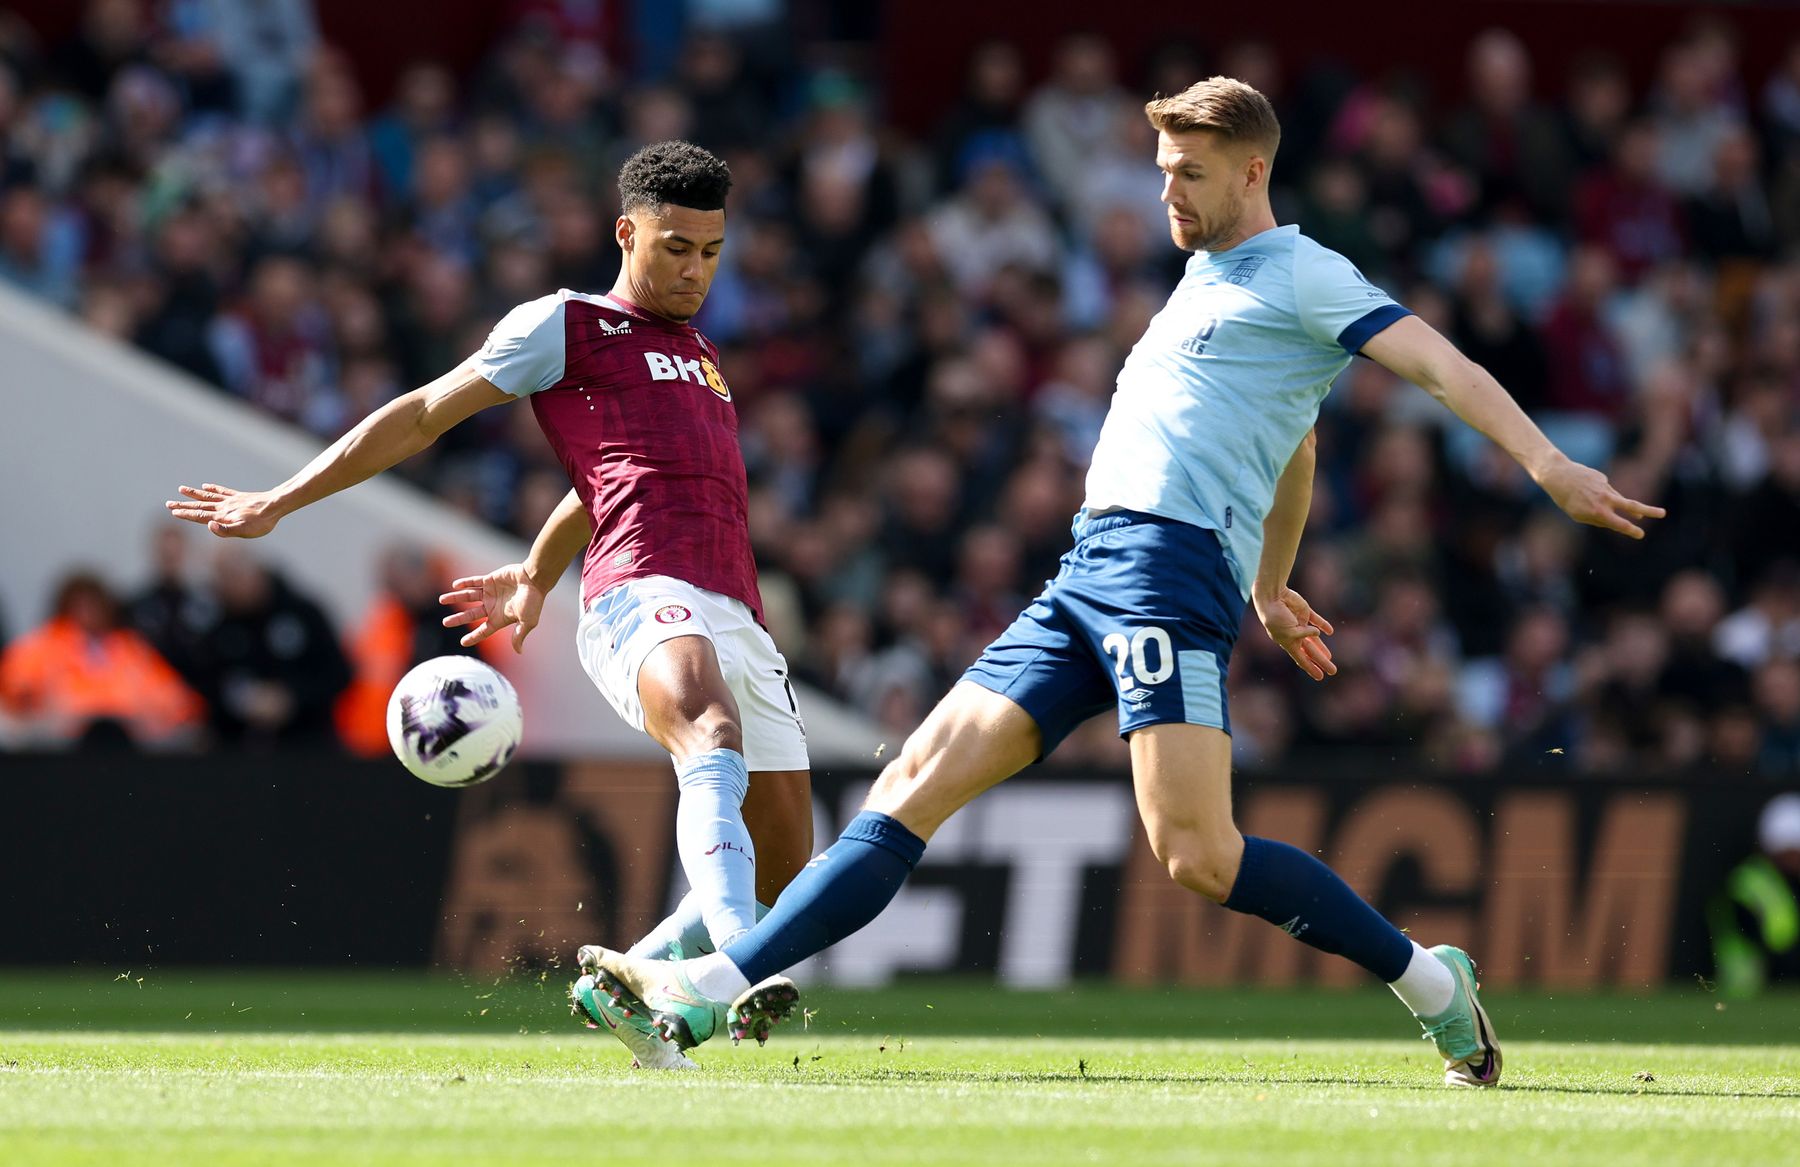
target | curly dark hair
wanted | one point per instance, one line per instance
(673, 172)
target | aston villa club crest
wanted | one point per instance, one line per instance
(672, 614)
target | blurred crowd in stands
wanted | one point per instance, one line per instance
(922, 336)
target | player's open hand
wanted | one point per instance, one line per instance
(1300, 631)
(227, 513)
(506, 597)
(1586, 496)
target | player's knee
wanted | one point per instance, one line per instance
(1199, 860)
(907, 774)
(897, 778)
(723, 733)
(714, 728)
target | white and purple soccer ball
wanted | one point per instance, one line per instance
(454, 721)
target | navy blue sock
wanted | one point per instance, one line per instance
(833, 896)
(1306, 899)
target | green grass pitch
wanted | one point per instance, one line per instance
(257, 1069)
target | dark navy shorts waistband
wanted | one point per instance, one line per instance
(1085, 527)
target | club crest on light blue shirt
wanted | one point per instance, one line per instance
(1246, 268)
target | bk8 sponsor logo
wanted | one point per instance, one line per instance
(701, 372)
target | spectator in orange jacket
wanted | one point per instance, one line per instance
(83, 675)
(403, 627)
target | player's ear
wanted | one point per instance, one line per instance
(1256, 172)
(625, 231)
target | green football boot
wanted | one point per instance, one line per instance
(635, 1030)
(1462, 1033)
(675, 1011)
(682, 1013)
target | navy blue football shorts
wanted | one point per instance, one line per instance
(1141, 617)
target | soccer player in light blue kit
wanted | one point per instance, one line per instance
(1196, 498)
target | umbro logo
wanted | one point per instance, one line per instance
(619, 329)
(1138, 695)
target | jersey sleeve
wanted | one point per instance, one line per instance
(1337, 306)
(526, 351)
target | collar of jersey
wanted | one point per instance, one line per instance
(643, 314)
(1214, 256)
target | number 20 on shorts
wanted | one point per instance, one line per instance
(1132, 654)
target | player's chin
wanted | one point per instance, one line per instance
(684, 305)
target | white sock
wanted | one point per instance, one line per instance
(1427, 986)
(680, 928)
(685, 928)
(716, 977)
(714, 843)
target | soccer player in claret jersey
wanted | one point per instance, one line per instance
(631, 398)
(1196, 497)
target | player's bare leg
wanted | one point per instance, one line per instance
(1182, 776)
(972, 741)
(688, 707)
(779, 812)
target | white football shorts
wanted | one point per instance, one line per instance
(620, 628)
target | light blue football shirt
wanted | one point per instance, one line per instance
(1217, 394)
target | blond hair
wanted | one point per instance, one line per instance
(1221, 105)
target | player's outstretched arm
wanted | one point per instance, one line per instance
(513, 596)
(1284, 612)
(1416, 351)
(392, 434)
